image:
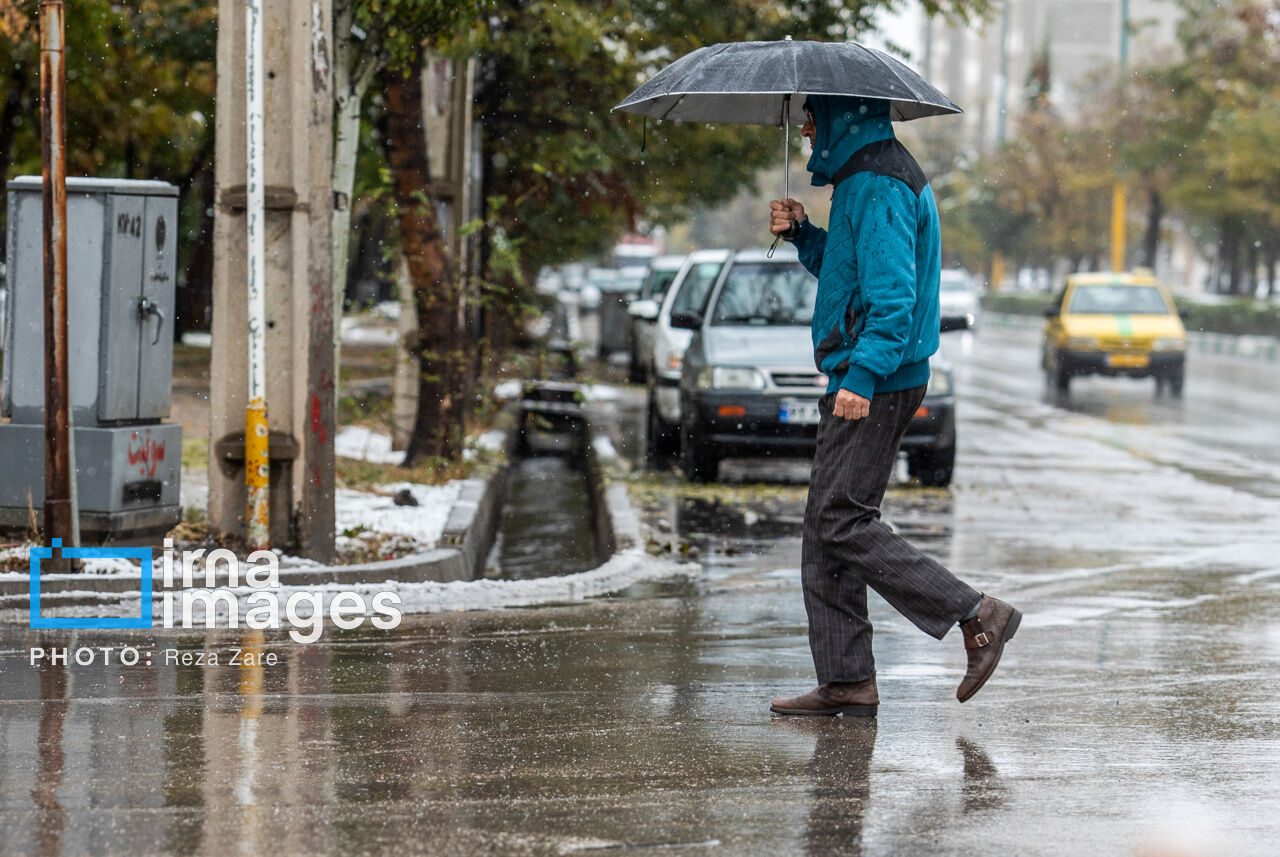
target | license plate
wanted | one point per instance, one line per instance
(798, 412)
(1128, 361)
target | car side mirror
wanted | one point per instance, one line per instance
(1185, 315)
(1050, 311)
(686, 320)
(646, 310)
(954, 322)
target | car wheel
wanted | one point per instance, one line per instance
(1061, 377)
(1173, 381)
(698, 458)
(660, 439)
(933, 467)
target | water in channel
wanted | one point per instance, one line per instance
(546, 520)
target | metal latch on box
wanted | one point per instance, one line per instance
(148, 308)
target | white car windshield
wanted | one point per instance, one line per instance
(766, 293)
(696, 286)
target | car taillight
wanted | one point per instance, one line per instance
(733, 411)
(922, 411)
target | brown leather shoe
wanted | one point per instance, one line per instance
(856, 699)
(984, 637)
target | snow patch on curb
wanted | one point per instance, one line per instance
(619, 572)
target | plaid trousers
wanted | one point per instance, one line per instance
(847, 548)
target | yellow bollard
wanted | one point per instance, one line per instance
(257, 474)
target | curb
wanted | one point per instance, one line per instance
(456, 567)
(464, 543)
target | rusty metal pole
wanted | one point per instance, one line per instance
(57, 393)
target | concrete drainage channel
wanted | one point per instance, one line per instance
(511, 536)
(554, 519)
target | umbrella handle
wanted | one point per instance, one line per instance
(786, 164)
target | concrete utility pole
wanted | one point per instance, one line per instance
(297, 149)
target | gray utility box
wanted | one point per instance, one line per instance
(121, 267)
(122, 241)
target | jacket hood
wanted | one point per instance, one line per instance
(845, 123)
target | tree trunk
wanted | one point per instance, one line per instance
(438, 426)
(349, 88)
(1151, 241)
(1250, 287)
(1231, 256)
(1270, 263)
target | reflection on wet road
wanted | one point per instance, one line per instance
(1136, 707)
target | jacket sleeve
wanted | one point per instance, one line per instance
(810, 243)
(883, 222)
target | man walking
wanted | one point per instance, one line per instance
(875, 324)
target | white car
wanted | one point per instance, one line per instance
(959, 302)
(689, 291)
(643, 314)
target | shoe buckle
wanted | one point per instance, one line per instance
(984, 638)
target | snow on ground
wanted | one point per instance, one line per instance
(604, 447)
(511, 389)
(424, 523)
(363, 443)
(490, 441)
(358, 331)
(514, 389)
(602, 393)
(621, 571)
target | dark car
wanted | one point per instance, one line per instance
(749, 386)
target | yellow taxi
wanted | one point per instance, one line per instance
(1115, 324)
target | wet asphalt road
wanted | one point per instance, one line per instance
(1137, 711)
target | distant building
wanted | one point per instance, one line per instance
(985, 67)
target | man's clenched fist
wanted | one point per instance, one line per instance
(783, 214)
(850, 405)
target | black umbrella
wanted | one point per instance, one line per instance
(757, 83)
(754, 83)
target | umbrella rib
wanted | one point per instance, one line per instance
(893, 71)
(673, 106)
(713, 52)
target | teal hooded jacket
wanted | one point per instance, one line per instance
(876, 316)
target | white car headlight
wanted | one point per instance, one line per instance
(940, 384)
(1169, 344)
(728, 378)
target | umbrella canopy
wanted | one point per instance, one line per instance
(758, 83)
